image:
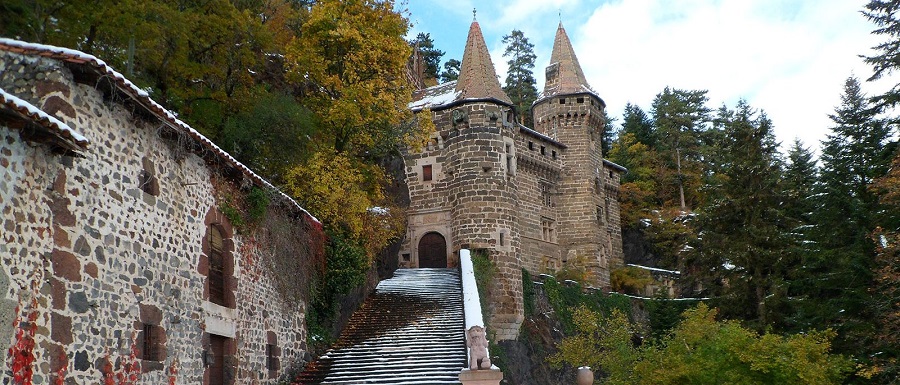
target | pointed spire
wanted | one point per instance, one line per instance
(477, 77)
(564, 74)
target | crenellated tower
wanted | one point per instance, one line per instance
(571, 112)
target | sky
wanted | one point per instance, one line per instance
(789, 58)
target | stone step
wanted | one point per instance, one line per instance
(410, 331)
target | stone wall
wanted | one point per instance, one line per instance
(93, 257)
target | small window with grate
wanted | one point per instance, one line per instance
(152, 349)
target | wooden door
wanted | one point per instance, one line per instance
(433, 251)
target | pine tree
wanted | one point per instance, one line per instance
(800, 176)
(854, 154)
(451, 71)
(520, 84)
(680, 117)
(884, 13)
(431, 55)
(636, 122)
(743, 251)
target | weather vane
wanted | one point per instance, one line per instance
(473, 14)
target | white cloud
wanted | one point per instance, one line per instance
(789, 58)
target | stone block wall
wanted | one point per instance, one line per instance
(90, 257)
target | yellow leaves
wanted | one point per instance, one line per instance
(347, 194)
(351, 58)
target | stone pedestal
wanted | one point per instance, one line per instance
(481, 377)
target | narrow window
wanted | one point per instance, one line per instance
(548, 230)
(502, 243)
(611, 175)
(272, 358)
(152, 349)
(543, 150)
(546, 194)
(147, 181)
(426, 172)
(216, 266)
(580, 100)
(509, 166)
(600, 214)
(531, 145)
(554, 154)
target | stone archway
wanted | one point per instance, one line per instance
(433, 250)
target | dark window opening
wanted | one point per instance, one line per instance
(220, 363)
(531, 145)
(216, 275)
(543, 150)
(554, 154)
(580, 100)
(562, 100)
(426, 172)
(610, 175)
(152, 344)
(600, 214)
(501, 239)
(272, 363)
(147, 181)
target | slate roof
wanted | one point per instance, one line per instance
(410, 331)
(570, 78)
(477, 76)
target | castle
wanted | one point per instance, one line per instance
(539, 199)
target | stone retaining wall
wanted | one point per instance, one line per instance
(92, 253)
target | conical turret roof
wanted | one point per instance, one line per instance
(564, 74)
(477, 77)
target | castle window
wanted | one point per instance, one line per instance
(548, 230)
(152, 348)
(271, 359)
(543, 150)
(147, 181)
(562, 100)
(509, 159)
(600, 214)
(273, 364)
(426, 173)
(502, 240)
(580, 100)
(554, 154)
(220, 268)
(531, 145)
(546, 196)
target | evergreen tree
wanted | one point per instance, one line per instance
(744, 249)
(636, 122)
(800, 176)
(520, 83)
(884, 13)
(431, 55)
(680, 117)
(854, 154)
(607, 134)
(451, 71)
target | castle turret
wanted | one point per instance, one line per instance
(569, 111)
(483, 193)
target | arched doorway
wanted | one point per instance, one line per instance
(433, 251)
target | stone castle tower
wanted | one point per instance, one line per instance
(537, 198)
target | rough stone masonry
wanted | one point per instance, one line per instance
(116, 260)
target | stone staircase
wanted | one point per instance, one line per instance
(410, 331)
